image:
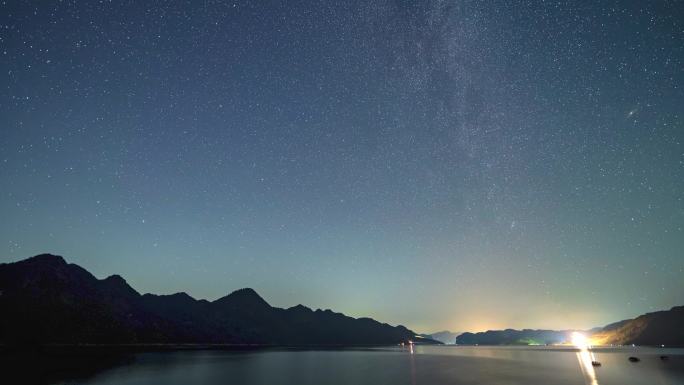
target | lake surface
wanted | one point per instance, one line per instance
(395, 365)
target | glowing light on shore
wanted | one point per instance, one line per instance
(580, 340)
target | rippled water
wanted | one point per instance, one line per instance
(425, 365)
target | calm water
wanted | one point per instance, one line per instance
(426, 365)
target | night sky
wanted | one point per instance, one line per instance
(439, 164)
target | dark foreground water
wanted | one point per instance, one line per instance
(425, 365)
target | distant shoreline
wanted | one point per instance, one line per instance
(48, 348)
(76, 348)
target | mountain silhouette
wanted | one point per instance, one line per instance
(445, 336)
(44, 299)
(658, 328)
(514, 337)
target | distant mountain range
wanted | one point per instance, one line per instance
(445, 336)
(44, 299)
(658, 328)
(515, 337)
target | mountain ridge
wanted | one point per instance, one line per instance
(514, 337)
(662, 327)
(444, 336)
(45, 299)
(655, 328)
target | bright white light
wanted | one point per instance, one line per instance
(579, 340)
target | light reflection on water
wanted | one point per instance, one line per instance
(409, 365)
(586, 358)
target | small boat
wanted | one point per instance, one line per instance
(634, 359)
(595, 363)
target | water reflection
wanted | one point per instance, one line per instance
(373, 366)
(586, 358)
(412, 364)
(55, 365)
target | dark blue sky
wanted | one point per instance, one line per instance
(438, 164)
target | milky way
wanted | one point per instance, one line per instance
(441, 164)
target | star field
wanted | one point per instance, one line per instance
(454, 165)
